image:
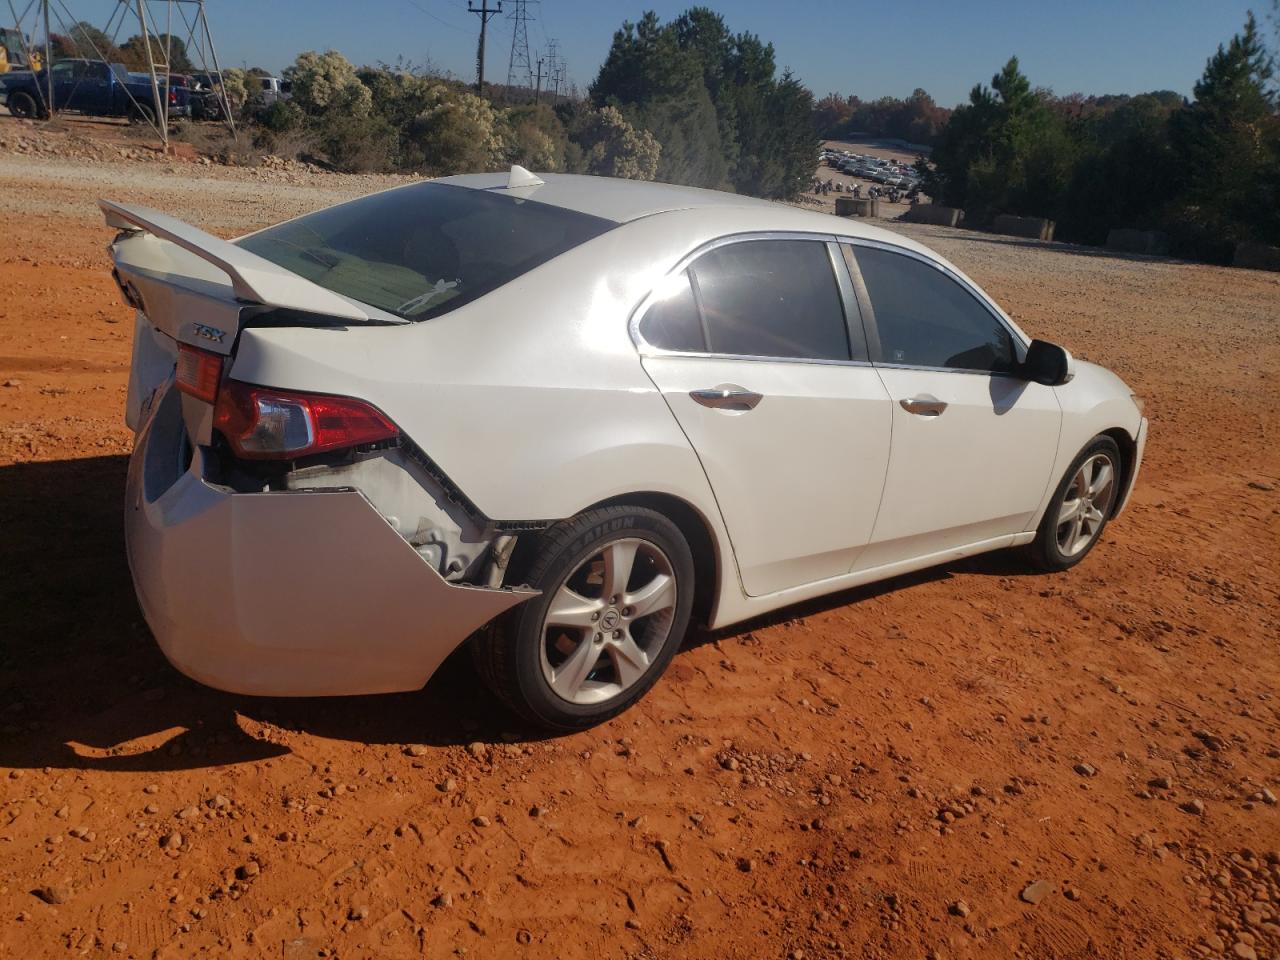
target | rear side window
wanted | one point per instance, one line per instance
(421, 251)
(757, 298)
(771, 298)
(927, 319)
(672, 321)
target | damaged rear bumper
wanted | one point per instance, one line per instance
(285, 593)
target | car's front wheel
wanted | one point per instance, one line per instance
(616, 594)
(1080, 508)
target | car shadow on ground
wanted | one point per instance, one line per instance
(83, 685)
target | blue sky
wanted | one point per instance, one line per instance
(870, 49)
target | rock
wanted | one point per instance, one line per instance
(151, 788)
(171, 841)
(449, 785)
(1160, 783)
(53, 893)
(1243, 951)
(151, 808)
(729, 763)
(119, 946)
(190, 813)
(524, 937)
(1253, 484)
(478, 750)
(633, 923)
(443, 900)
(13, 383)
(416, 750)
(1195, 807)
(1268, 797)
(1071, 893)
(1085, 770)
(358, 912)
(746, 864)
(248, 870)
(1034, 892)
(960, 909)
(62, 812)
(481, 822)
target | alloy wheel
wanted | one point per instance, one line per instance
(608, 621)
(1086, 504)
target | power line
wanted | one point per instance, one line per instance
(485, 13)
(423, 10)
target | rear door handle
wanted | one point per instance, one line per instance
(727, 396)
(924, 406)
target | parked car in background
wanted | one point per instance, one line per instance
(564, 416)
(91, 87)
(270, 89)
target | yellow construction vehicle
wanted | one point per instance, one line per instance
(16, 52)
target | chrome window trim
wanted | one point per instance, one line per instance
(647, 349)
(983, 300)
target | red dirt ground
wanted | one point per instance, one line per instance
(880, 774)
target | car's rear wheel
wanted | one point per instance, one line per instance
(23, 106)
(1080, 508)
(141, 113)
(616, 593)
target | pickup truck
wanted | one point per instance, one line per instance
(91, 87)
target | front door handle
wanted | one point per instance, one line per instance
(727, 396)
(924, 406)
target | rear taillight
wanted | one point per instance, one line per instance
(198, 372)
(265, 424)
(173, 96)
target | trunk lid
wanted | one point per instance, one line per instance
(190, 287)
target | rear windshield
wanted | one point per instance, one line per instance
(424, 250)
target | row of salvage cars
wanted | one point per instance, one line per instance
(564, 417)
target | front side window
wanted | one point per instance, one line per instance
(421, 251)
(757, 298)
(927, 319)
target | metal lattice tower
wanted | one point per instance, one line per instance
(520, 68)
(553, 68)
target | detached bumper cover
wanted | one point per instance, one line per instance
(289, 594)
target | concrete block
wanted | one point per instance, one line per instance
(935, 214)
(1150, 242)
(1257, 256)
(1033, 228)
(855, 207)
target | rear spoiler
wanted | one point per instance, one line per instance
(253, 279)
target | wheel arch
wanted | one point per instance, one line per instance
(1128, 458)
(697, 529)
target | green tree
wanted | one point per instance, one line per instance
(1228, 146)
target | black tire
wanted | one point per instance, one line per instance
(141, 113)
(511, 656)
(1047, 551)
(24, 106)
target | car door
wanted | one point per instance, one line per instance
(758, 348)
(63, 79)
(91, 87)
(973, 443)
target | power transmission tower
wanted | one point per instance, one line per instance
(520, 67)
(485, 13)
(553, 67)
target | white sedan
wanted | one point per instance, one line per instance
(564, 417)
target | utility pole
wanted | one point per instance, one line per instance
(485, 13)
(520, 67)
(537, 91)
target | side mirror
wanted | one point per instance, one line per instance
(1048, 363)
